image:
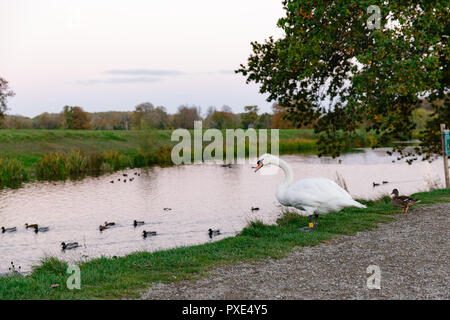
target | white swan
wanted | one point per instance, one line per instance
(313, 195)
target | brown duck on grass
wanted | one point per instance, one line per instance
(403, 202)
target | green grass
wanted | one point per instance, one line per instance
(106, 278)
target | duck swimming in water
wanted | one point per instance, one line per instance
(13, 229)
(137, 223)
(42, 229)
(109, 224)
(30, 225)
(69, 245)
(145, 234)
(213, 233)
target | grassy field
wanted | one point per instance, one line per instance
(112, 277)
(60, 154)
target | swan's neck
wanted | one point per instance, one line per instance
(288, 174)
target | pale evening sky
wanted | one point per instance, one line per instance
(111, 55)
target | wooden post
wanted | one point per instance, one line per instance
(447, 179)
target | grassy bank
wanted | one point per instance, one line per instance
(125, 276)
(60, 154)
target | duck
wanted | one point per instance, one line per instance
(167, 209)
(384, 182)
(118, 179)
(112, 181)
(42, 229)
(69, 245)
(30, 225)
(148, 233)
(109, 224)
(138, 223)
(101, 228)
(313, 196)
(255, 208)
(212, 232)
(125, 175)
(403, 202)
(375, 184)
(13, 229)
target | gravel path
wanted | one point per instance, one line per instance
(412, 253)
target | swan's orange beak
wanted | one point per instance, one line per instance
(260, 164)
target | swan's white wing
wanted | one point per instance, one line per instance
(318, 193)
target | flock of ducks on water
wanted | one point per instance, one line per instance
(374, 184)
(125, 175)
(106, 225)
(27, 226)
(13, 268)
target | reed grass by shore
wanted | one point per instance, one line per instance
(119, 277)
(11, 172)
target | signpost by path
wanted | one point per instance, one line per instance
(445, 152)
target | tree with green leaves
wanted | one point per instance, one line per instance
(75, 118)
(5, 93)
(249, 117)
(338, 68)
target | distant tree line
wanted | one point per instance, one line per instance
(147, 116)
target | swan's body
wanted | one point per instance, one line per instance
(312, 195)
(315, 195)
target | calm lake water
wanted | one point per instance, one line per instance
(200, 196)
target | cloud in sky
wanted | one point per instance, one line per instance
(226, 72)
(149, 72)
(144, 72)
(118, 80)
